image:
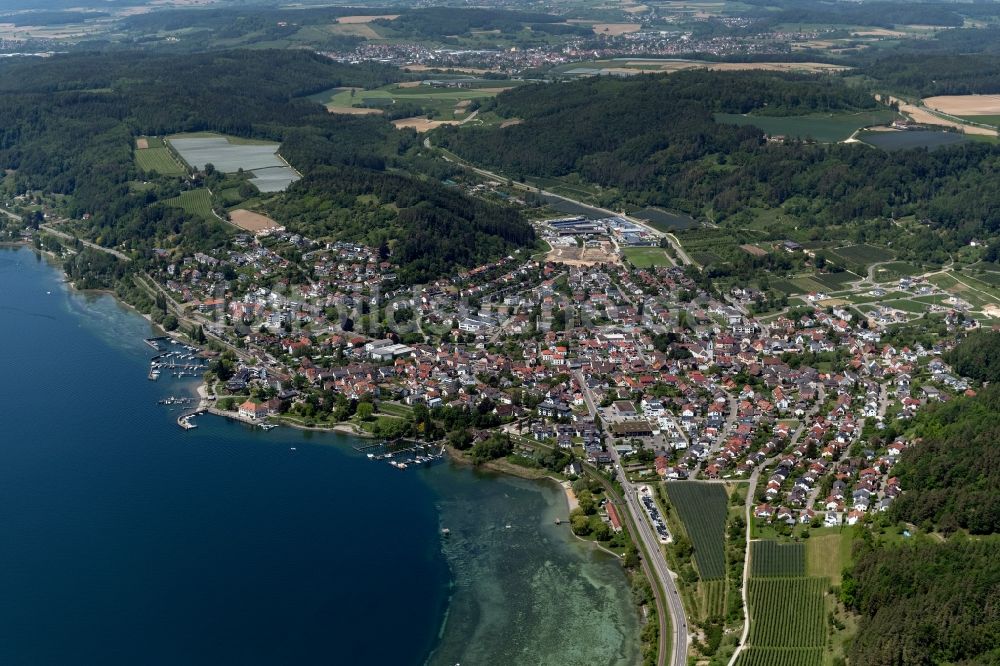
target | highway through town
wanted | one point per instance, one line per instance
(651, 545)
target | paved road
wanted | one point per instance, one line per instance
(47, 228)
(748, 507)
(644, 532)
(724, 432)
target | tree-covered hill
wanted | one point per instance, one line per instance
(653, 141)
(68, 126)
(427, 229)
(66, 123)
(978, 356)
(926, 603)
(951, 475)
(886, 13)
(943, 73)
(226, 27)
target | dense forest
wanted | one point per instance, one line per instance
(885, 14)
(977, 356)
(926, 602)
(925, 75)
(426, 228)
(68, 124)
(654, 140)
(952, 472)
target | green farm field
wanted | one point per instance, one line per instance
(986, 276)
(712, 597)
(196, 202)
(647, 257)
(805, 285)
(858, 299)
(763, 656)
(863, 255)
(784, 286)
(774, 559)
(705, 258)
(835, 281)
(440, 101)
(664, 220)
(896, 269)
(157, 157)
(788, 612)
(702, 508)
(906, 305)
(983, 120)
(823, 127)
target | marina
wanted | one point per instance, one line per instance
(403, 453)
(180, 363)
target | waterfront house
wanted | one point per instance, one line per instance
(254, 410)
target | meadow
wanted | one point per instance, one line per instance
(827, 554)
(443, 103)
(984, 120)
(906, 305)
(702, 508)
(647, 257)
(822, 127)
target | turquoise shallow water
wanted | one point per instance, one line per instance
(124, 540)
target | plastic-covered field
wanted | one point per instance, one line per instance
(270, 173)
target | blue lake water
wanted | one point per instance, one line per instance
(125, 540)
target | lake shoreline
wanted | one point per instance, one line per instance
(542, 596)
